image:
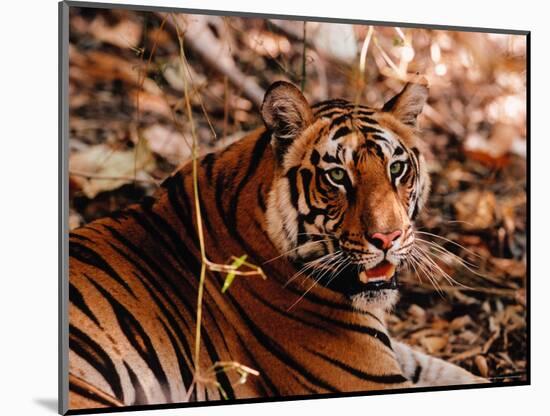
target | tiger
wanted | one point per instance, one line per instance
(323, 198)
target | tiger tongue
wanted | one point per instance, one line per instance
(382, 271)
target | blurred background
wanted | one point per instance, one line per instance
(129, 130)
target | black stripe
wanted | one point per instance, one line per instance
(221, 376)
(294, 195)
(135, 333)
(180, 204)
(140, 398)
(208, 225)
(80, 237)
(342, 131)
(149, 280)
(184, 367)
(364, 119)
(76, 389)
(264, 377)
(366, 130)
(148, 202)
(173, 325)
(416, 375)
(331, 159)
(97, 357)
(180, 201)
(76, 298)
(339, 120)
(375, 148)
(274, 348)
(398, 151)
(373, 332)
(208, 163)
(263, 374)
(313, 298)
(291, 316)
(255, 159)
(382, 378)
(157, 271)
(88, 256)
(331, 112)
(332, 103)
(315, 157)
(260, 199)
(306, 182)
(185, 257)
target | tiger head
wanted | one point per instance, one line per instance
(349, 181)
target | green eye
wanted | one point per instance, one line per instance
(337, 175)
(396, 168)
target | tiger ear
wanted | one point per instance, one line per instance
(408, 104)
(286, 113)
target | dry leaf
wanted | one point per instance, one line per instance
(100, 168)
(434, 344)
(481, 364)
(460, 322)
(168, 143)
(417, 312)
(476, 209)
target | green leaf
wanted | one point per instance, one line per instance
(397, 41)
(238, 262)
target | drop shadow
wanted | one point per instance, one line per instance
(49, 404)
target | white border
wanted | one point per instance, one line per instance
(29, 204)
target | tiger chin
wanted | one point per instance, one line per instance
(323, 198)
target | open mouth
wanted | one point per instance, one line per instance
(381, 273)
(355, 279)
(380, 277)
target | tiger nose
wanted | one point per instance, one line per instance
(384, 241)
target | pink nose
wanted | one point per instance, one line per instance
(384, 241)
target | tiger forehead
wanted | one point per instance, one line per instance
(351, 132)
(342, 118)
(338, 107)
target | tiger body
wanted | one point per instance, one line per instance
(134, 276)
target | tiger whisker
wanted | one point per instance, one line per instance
(313, 234)
(308, 265)
(336, 271)
(436, 268)
(426, 272)
(447, 276)
(443, 250)
(467, 265)
(313, 285)
(430, 265)
(331, 262)
(298, 274)
(410, 261)
(316, 279)
(449, 241)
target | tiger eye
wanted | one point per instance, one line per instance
(337, 174)
(396, 168)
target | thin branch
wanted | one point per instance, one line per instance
(304, 47)
(94, 176)
(201, 40)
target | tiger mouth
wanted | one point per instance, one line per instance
(381, 273)
(355, 279)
